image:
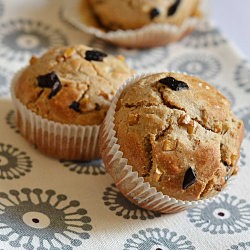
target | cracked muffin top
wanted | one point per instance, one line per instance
(138, 13)
(72, 85)
(179, 133)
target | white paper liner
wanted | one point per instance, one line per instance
(128, 182)
(148, 36)
(63, 141)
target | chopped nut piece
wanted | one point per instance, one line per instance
(204, 115)
(185, 119)
(217, 126)
(69, 52)
(133, 119)
(121, 58)
(170, 145)
(157, 175)
(76, 64)
(105, 95)
(86, 105)
(236, 170)
(191, 128)
(234, 159)
(225, 127)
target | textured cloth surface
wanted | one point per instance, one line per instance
(50, 204)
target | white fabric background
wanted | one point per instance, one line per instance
(204, 53)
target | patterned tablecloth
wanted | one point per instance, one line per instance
(51, 204)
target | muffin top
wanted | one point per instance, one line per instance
(132, 14)
(72, 85)
(179, 133)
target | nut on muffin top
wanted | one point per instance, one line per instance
(72, 85)
(179, 133)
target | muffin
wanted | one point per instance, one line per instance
(62, 98)
(135, 23)
(134, 14)
(174, 140)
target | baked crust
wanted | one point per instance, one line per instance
(163, 133)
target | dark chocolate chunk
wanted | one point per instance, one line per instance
(55, 89)
(189, 178)
(174, 84)
(94, 55)
(50, 80)
(173, 8)
(97, 106)
(75, 106)
(47, 80)
(154, 13)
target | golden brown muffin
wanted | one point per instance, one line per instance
(68, 86)
(88, 80)
(133, 14)
(179, 133)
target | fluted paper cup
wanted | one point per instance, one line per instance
(79, 14)
(63, 141)
(128, 181)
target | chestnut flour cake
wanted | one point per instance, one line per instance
(70, 88)
(133, 14)
(179, 133)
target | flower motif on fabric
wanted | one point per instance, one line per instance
(198, 64)
(4, 82)
(244, 114)
(30, 217)
(95, 167)
(242, 75)
(123, 207)
(203, 37)
(242, 160)
(13, 162)
(224, 215)
(227, 93)
(141, 60)
(241, 246)
(11, 120)
(158, 239)
(20, 38)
